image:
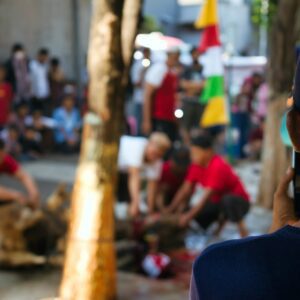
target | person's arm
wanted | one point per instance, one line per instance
(147, 108)
(134, 182)
(151, 193)
(11, 195)
(30, 186)
(184, 192)
(192, 213)
(283, 206)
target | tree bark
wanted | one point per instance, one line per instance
(284, 36)
(90, 264)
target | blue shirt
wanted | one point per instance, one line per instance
(265, 267)
(67, 123)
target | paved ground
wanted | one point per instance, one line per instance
(37, 284)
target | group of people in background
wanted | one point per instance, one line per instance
(164, 146)
(38, 111)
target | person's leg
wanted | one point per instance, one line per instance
(234, 208)
(242, 228)
(208, 215)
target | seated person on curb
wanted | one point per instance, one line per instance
(10, 167)
(172, 177)
(68, 124)
(262, 267)
(140, 158)
(223, 198)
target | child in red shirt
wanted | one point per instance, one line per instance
(6, 96)
(224, 197)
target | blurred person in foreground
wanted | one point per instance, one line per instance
(263, 267)
(140, 158)
(223, 198)
(160, 97)
(172, 177)
(68, 125)
(192, 83)
(11, 168)
(138, 73)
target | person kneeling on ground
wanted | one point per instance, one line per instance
(172, 177)
(262, 267)
(223, 198)
(10, 167)
(140, 158)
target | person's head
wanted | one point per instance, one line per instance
(55, 63)
(2, 73)
(30, 133)
(158, 145)
(37, 114)
(173, 55)
(146, 53)
(18, 51)
(180, 159)
(257, 79)
(13, 133)
(195, 54)
(68, 102)
(202, 149)
(43, 55)
(22, 110)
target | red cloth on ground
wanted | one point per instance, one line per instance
(165, 98)
(6, 95)
(220, 177)
(9, 165)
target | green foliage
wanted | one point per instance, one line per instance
(149, 25)
(262, 12)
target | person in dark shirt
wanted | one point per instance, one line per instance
(191, 83)
(11, 168)
(263, 267)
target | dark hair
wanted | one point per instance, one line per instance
(29, 127)
(55, 62)
(43, 51)
(194, 48)
(17, 47)
(2, 144)
(204, 141)
(181, 155)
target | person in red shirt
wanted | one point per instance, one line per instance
(223, 198)
(10, 167)
(6, 95)
(172, 177)
(160, 97)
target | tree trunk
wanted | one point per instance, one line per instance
(89, 270)
(275, 154)
(284, 36)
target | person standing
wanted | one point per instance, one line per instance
(192, 83)
(160, 98)
(138, 79)
(40, 81)
(17, 74)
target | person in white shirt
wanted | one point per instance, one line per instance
(141, 158)
(39, 80)
(138, 72)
